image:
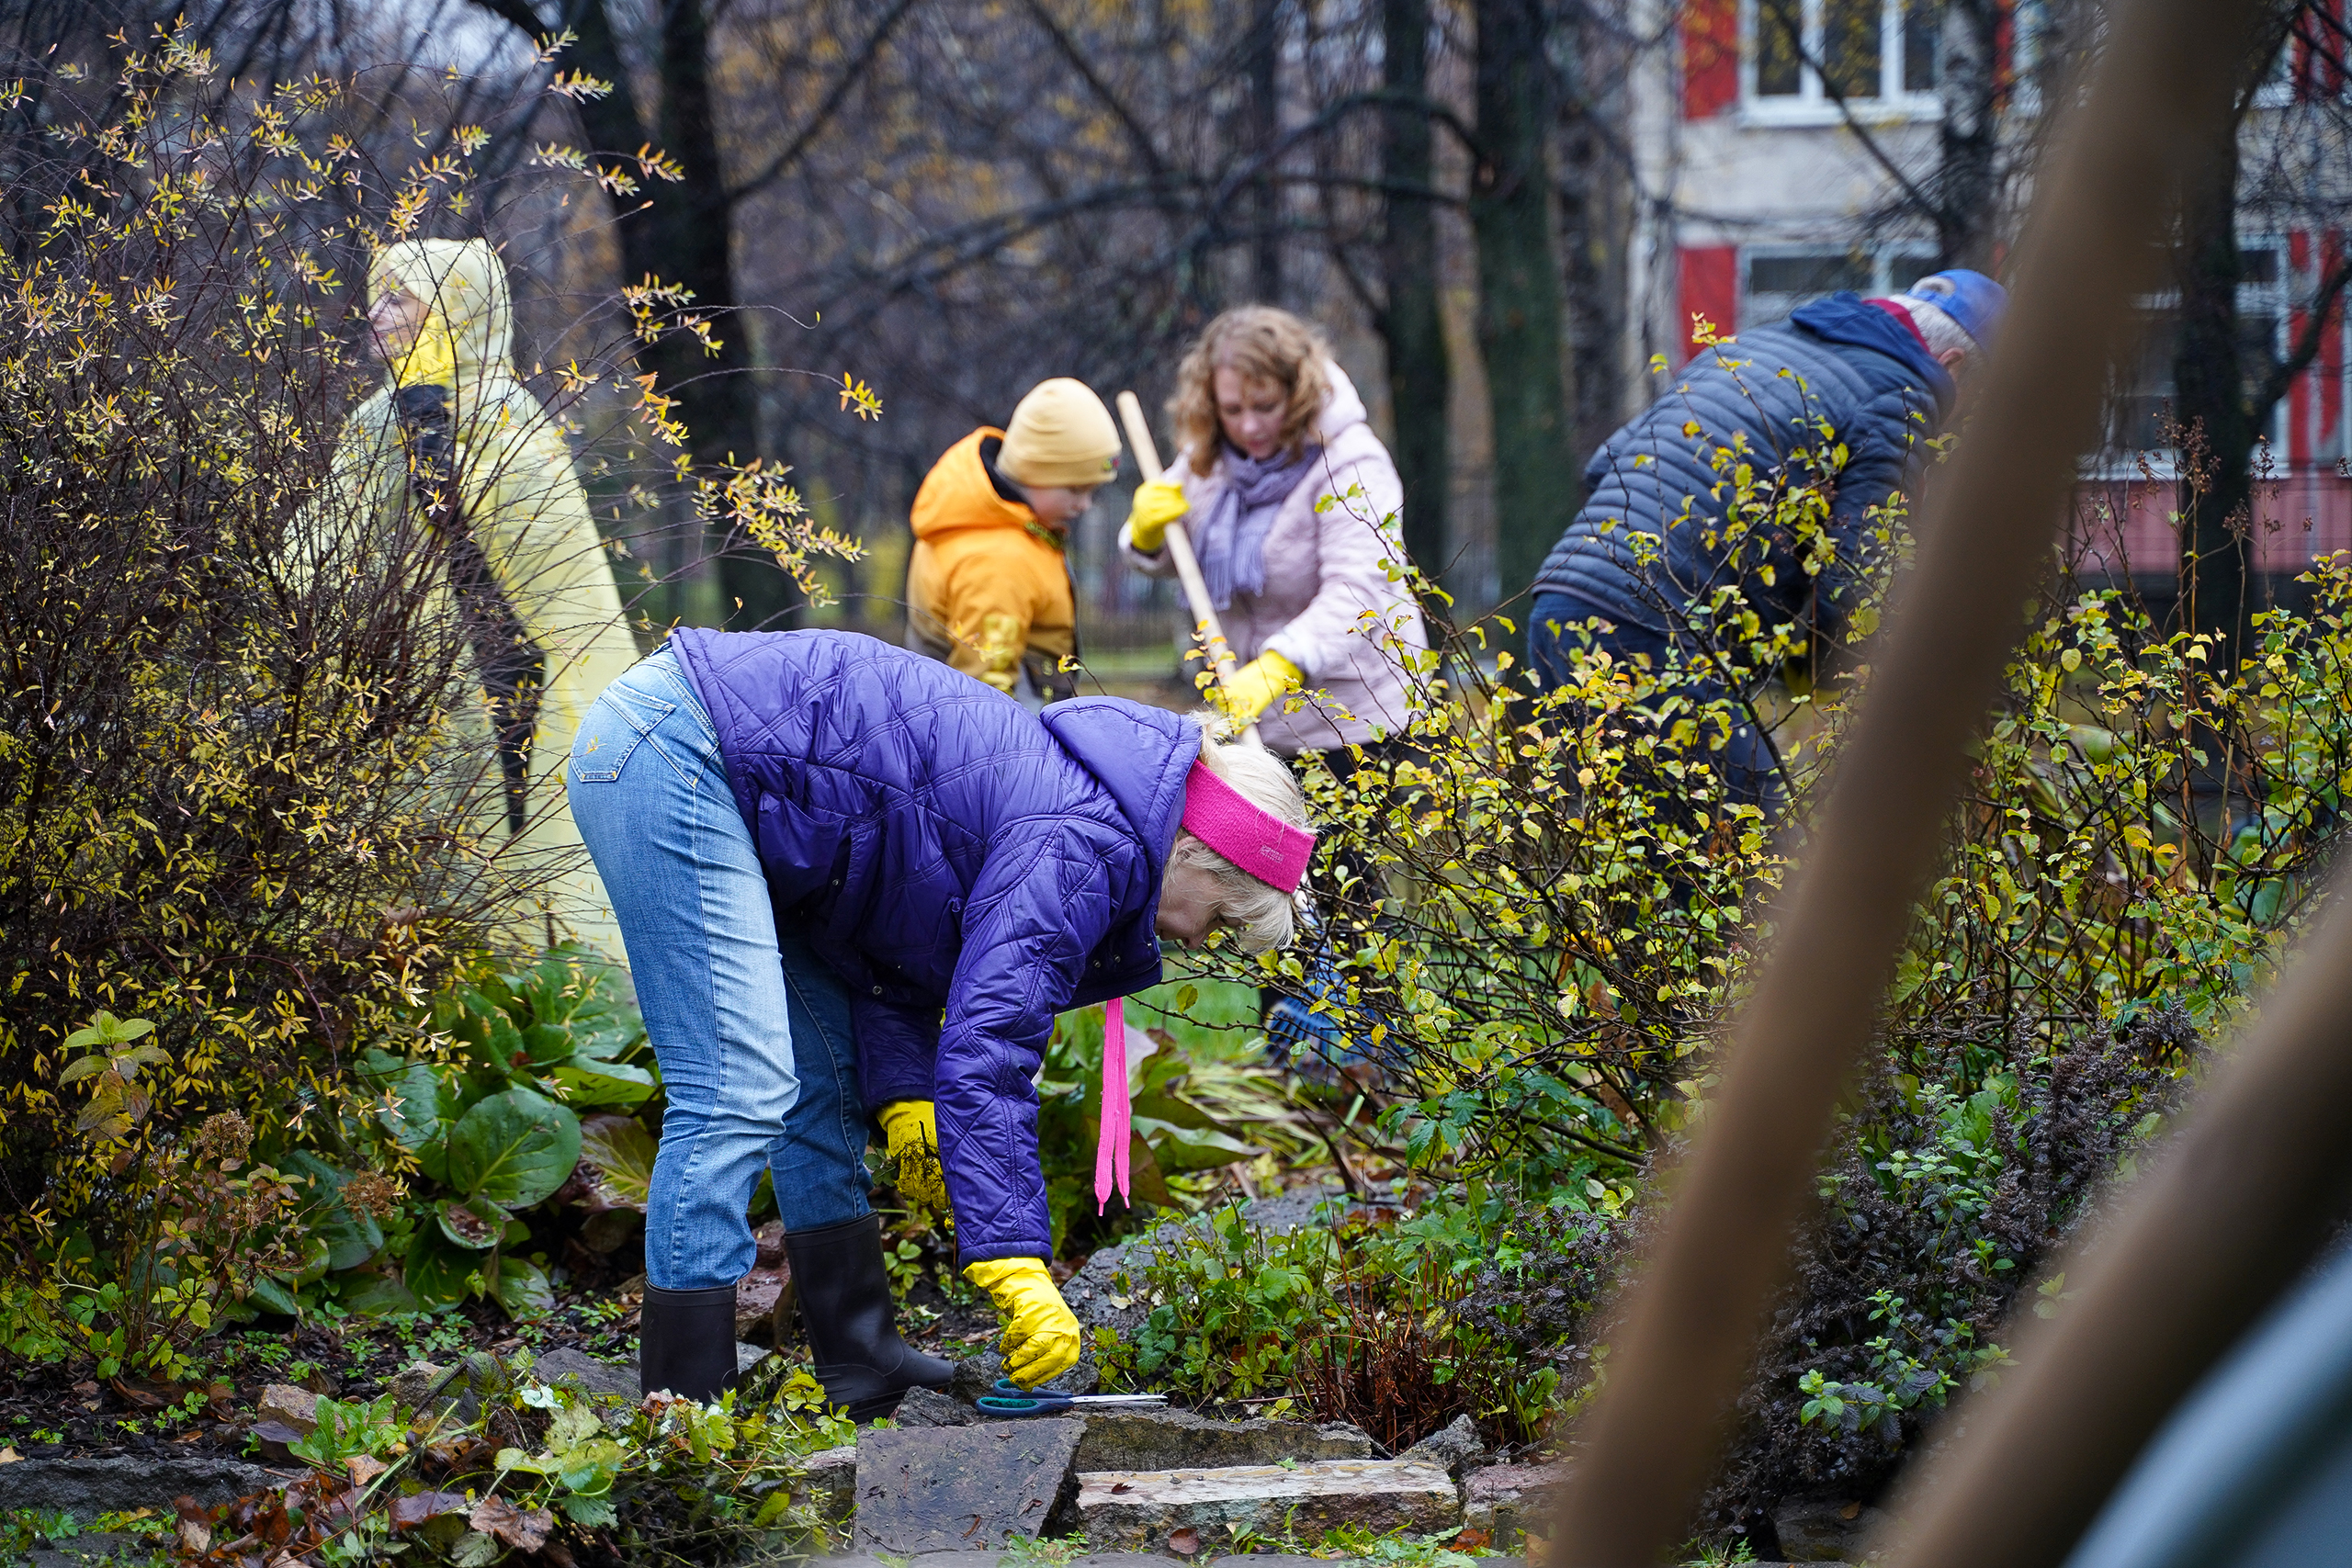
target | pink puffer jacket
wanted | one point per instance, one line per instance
(1328, 605)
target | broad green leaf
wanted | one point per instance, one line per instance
(592, 1083)
(439, 1273)
(621, 1148)
(379, 1295)
(271, 1295)
(522, 1288)
(514, 1149)
(467, 1226)
(424, 1099)
(547, 1043)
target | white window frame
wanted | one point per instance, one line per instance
(1885, 278)
(1810, 105)
(2275, 296)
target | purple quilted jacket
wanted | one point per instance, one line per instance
(967, 868)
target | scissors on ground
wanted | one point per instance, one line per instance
(1009, 1398)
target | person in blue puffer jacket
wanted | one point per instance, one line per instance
(851, 878)
(1636, 571)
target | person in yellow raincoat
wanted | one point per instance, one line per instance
(989, 584)
(455, 437)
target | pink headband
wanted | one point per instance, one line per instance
(1262, 844)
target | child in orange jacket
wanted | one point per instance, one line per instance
(988, 585)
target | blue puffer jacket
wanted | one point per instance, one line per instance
(1839, 360)
(947, 851)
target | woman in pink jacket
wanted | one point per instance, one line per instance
(1292, 505)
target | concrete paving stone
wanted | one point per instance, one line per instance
(1177, 1439)
(1119, 1560)
(1141, 1509)
(88, 1487)
(960, 1488)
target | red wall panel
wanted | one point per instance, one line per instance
(1710, 57)
(1707, 285)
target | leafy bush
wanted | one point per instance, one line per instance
(1357, 1318)
(243, 842)
(539, 1469)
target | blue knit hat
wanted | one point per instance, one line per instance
(1972, 299)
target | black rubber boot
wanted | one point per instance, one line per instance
(853, 1323)
(685, 1342)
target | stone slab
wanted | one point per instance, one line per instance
(88, 1487)
(1824, 1529)
(579, 1371)
(1179, 1439)
(1140, 1510)
(1453, 1449)
(929, 1407)
(828, 1483)
(1504, 1499)
(960, 1488)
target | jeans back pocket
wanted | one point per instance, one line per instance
(607, 738)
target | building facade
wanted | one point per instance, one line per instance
(1774, 144)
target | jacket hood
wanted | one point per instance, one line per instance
(957, 493)
(1844, 317)
(463, 284)
(1342, 407)
(1141, 755)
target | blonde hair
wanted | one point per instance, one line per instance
(1264, 344)
(1265, 914)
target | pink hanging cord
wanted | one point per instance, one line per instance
(1118, 1117)
(1260, 844)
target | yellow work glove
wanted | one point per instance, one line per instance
(1040, 1335)
(1256, 685)
(1156, 504)
(911, 1128)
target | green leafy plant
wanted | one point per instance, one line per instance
(348, 1431)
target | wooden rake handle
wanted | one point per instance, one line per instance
(1206, 627)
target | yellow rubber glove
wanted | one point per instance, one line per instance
(1041, 1337)
(911, 1127)
(1156, 504)
(1256, 685)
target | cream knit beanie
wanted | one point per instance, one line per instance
(1060, 436)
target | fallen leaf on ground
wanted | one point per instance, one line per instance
(407, 1512)
(525, 1529)
(363, 1468)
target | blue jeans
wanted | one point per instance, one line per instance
(1747, 765)
(751, 1030)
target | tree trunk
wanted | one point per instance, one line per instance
(1967, 173)
(1596, 216)
(1265, 127)
(1519, 292)
(2210, 401)
(1412, 322)
(715, 392)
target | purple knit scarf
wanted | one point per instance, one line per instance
(1231, 542)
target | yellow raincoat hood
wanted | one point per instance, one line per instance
(524, 507)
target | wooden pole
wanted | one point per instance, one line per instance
(1206, 627)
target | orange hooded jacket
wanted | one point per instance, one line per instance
(988, 585)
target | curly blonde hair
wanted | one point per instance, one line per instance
(1264, 344)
